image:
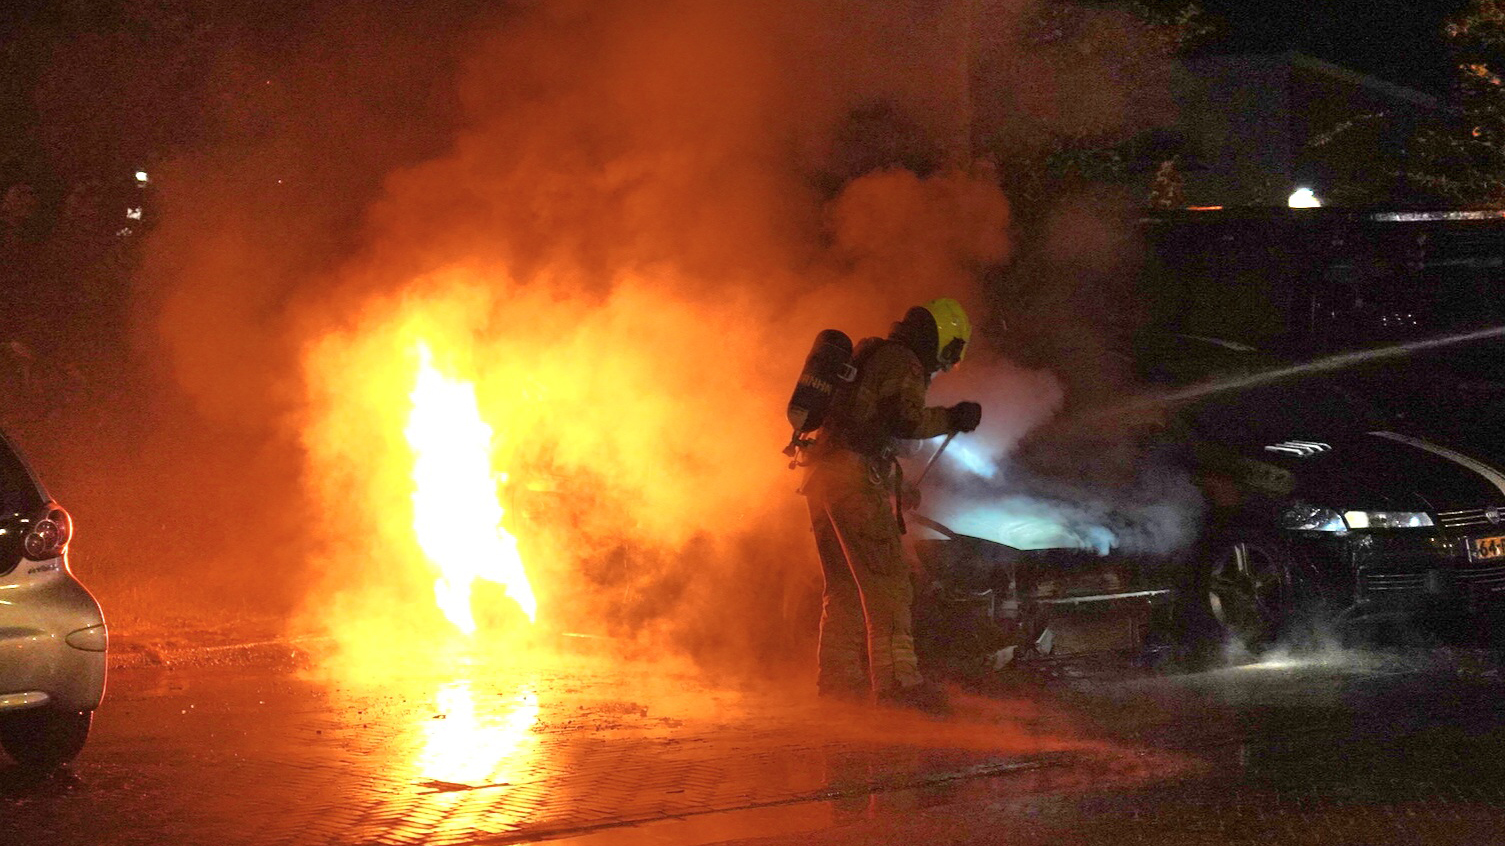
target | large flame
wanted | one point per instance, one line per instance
(457, 514)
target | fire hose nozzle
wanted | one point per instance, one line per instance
(931, 463)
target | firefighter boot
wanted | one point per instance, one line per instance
(927, 697)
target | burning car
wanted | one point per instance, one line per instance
(986, 605)
(51, 629)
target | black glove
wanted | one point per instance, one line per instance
(964, 416)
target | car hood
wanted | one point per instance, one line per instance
(1384, 470)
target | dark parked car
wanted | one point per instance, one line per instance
(1321, 508)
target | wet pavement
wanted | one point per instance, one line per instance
(1376, 746)
(1362, 748)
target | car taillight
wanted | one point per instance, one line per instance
(49, 535)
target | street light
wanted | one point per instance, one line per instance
(1303, 198)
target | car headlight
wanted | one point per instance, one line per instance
(1309, 518)
(1387, 519)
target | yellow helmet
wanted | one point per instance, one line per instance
(953, 331)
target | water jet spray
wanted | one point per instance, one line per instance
(1321, 365)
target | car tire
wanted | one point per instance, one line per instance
(1250, 590)
(45, 738)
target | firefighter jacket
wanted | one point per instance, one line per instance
(884, 405)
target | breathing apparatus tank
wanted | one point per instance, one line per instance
(827, 368)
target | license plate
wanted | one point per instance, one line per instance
(1480, 549)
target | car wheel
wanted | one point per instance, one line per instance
(45, 738)
(1249, 590)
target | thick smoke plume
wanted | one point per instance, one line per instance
(625, 222)
(629, 253)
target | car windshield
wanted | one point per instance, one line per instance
(1291, 409)
(1359, 306)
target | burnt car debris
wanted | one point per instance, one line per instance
(984, 606)
(1321, 511)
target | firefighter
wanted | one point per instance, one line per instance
(866, 644)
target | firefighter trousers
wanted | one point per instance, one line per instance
(866, 639)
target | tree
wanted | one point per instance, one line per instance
(1460, 157)
(1080, 96)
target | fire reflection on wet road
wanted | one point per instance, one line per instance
(598, 753)
(467, 745)
(267, 755)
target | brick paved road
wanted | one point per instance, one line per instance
(1370, 749)
(1363, 750)
(269, 755)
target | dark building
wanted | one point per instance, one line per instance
(1316, 281)
(1253, 129)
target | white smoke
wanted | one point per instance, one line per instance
(1156, 514)
(1105, 495)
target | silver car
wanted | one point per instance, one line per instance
(52, 634)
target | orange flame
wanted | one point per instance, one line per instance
(457, 514)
